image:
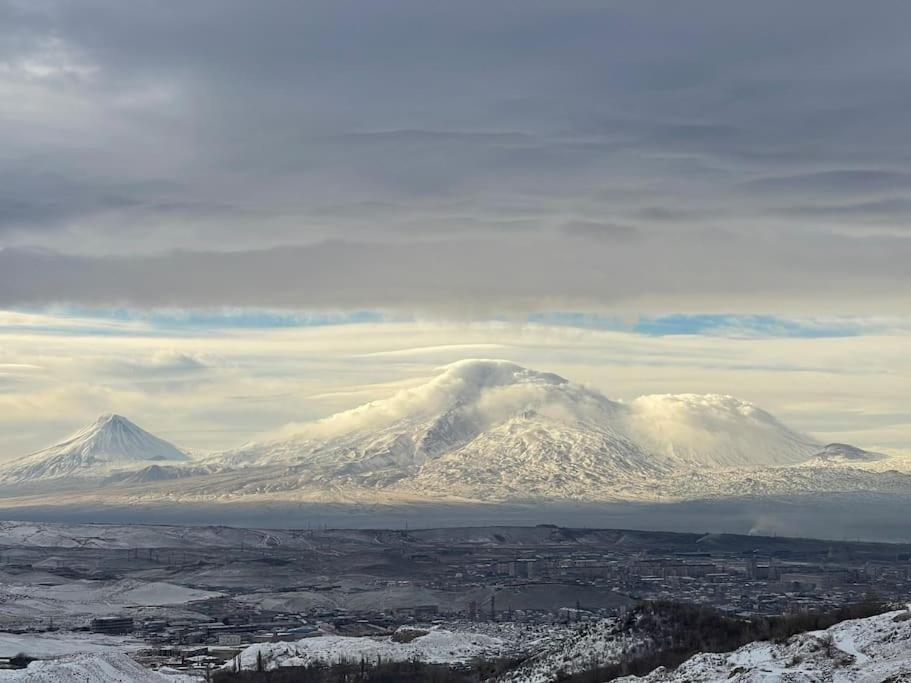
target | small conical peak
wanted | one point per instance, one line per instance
(110, 441)
(841, 447)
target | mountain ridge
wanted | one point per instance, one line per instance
(488, 431)
(470, 399)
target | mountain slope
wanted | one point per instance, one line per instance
(111, 442)
(532, 456)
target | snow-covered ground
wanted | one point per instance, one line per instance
(547, 652)
(91, 668)
(591, 644)
(437, 646)
(55, 644)
(68, 603)
(872, 650)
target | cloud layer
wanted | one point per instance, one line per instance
(408, 155)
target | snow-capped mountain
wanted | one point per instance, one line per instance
(481, 430)
(111, 442)
(486, 428)
(475, 420)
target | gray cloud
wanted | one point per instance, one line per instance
(838, 182)
(412, 154)
(709, 271)
(893, 210)
(599, 231)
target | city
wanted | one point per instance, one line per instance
(195, 608)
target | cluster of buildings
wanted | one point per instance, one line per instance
(737, 582)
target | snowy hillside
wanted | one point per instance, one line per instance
(111, 442)
(586, 646)
(97, 668)
(435, 646)
(872, 649)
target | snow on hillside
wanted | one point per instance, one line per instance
(56, 644)
(875, 649)
(591, 644)
(110, 442)
(437, 646)
(531, 458)
(96, 668)
(550, 651)
(74, 601)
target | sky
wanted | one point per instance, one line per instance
(217, 217)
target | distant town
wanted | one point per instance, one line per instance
(291, 585)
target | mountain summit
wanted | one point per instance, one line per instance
(111, 442)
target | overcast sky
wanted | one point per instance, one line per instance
(457, 162)
(396, 154)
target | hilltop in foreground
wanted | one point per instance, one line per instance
(871, 649)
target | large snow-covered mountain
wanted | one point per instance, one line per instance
(496, 429)
(482, 416)
(111, 442)
(482, 430)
